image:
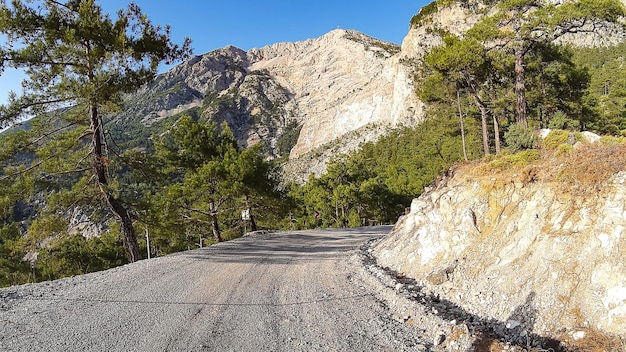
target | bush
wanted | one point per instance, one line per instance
(556, 138)
(519, 138)
(561, 121)
(509, 161)
(564, 149)
(610, 140)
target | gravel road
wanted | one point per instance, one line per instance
(294, 291)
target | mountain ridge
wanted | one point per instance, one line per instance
(327, 87)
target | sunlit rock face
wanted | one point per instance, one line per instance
(488, 242)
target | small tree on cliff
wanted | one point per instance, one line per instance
(79, 62)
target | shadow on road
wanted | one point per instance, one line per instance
(285, 247)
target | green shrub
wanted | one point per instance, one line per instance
(519, 138)
(556, 138)
(561, 121)
(508, 161)
(564, 149)
(610, 140)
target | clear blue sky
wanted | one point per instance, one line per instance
(252, 24)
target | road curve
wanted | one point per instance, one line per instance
(294, 291)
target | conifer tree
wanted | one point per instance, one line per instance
(79, 63)
(213, 172)
(518, 26)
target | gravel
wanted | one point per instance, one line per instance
(293, 291)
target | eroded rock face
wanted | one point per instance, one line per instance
(501, 239)
(340, 83)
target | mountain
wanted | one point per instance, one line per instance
(313, 99)
(291, 97)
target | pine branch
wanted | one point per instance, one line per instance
(21, 172)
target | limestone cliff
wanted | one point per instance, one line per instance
(549, 237)
(340, 83)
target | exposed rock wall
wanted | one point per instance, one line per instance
(340, 82)
(490, 243)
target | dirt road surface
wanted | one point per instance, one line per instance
(294, 291)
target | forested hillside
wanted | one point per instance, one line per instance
(81, 189)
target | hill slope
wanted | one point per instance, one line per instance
(547, 236)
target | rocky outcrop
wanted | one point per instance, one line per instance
(493, 242)
(340, 83)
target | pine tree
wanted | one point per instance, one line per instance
(518, 26)
(79, 62)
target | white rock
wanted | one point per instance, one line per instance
(512, 324)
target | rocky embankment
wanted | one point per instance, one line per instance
(539, 248)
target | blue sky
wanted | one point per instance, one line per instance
(252, 24)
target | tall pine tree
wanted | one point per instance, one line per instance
(79, 62)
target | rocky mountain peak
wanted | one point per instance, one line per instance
(291, 97)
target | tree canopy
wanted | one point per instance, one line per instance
(79, 62)
(518, 26)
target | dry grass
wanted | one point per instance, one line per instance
(582, 168)
(592, 164)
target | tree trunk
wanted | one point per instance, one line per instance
(343, 215)
(496, 132)
(116, 206)
(520, 87)
(483, 116)
(253, 226)
(458, 101)
(214, 225)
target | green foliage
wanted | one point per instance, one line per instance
(206, 177)
(522, 26)
(13, 270)
(607, 88)
(556, 138)
(564, 149)
(289, 138)
(423, 14)
(519, 138)
(610, 140)
(561, 121)
(376, 184)
(76, 255)
(508, 161)
(556, 88)
(79, 64)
